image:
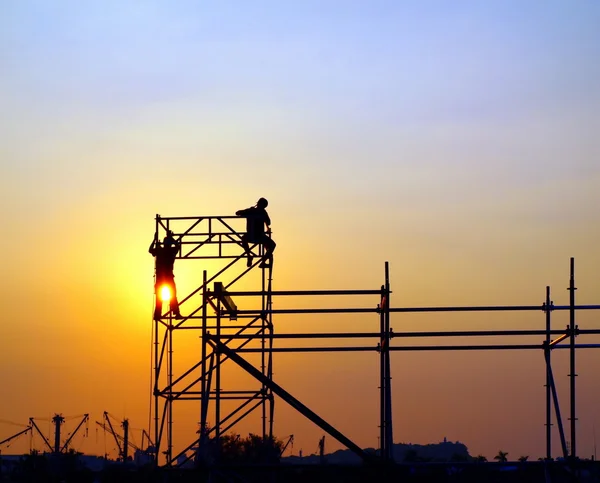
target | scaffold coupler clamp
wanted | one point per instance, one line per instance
(548, 308)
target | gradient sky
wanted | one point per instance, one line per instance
(457, 140)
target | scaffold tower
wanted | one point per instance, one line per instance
(226, 331)
(209, 309)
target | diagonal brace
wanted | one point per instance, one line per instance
(561, 431)
(287, 397)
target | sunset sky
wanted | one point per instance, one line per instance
(457, 140)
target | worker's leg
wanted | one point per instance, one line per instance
(173, 303)
(158, 301)
(268, 248)
(247, 249)
(269, 245)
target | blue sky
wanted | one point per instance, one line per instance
(422, 87)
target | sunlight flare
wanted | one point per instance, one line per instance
(165, 293)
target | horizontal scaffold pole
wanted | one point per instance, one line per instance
(492, 308)
(372, 310)
(377, 335)
(495, 347)
(304, 292)
(313, 311)
(200, 218)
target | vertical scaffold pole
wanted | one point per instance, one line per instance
(270, 329)
(573, 330)
(382, 395)
(547, 310)
(156, 366)
(205, 397)
(218, 384)
(389, 437)
(170, 383)
(263, 324)
(170, 394)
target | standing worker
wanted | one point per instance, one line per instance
(164, 255)
(256, 220)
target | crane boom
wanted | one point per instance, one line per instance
(83, 420)
(113, 432)
(118, 438)
(42, 435)
(290, 440)
(10, 438)
(144, 433)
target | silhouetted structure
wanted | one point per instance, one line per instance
(124, 444)
(58, 420)
(249, 333)
(210, 307)
(164, 255)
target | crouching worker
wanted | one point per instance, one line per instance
(164, 288)
(257, 219)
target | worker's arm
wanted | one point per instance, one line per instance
(152, 245)
(242, 212)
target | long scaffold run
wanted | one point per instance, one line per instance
(229, 335)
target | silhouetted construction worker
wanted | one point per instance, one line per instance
(164, 255)
(256, 220)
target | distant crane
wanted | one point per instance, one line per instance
(150, 448)
(58, 420)
(14, 436)
(289, 441)
(124, 442)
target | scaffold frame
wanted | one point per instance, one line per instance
(221, 342)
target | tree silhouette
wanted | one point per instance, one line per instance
(480, 459)
(231, 447)
(253, 449)
(522, 459)
(501, 456)
(457, 457)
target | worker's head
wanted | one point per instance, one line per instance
(262, 203)
(169, 240)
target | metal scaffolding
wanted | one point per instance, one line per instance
(206, 309)
(231, 335)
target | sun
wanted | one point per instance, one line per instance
(165, 293)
